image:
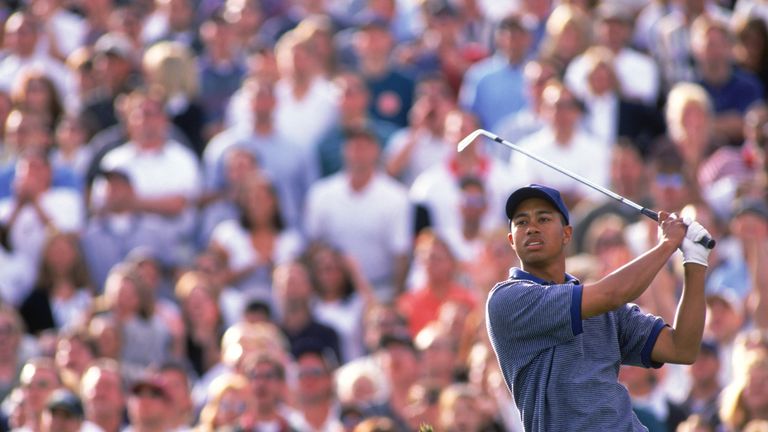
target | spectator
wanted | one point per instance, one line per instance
(391, 89)
(149, 404)
(74, 352)
(316, 401)
(38, 379)
(726, 318)
(501, 92)
(731, 90)
(202, 320)
(613, 31)
(228, 404)
(568, 34)
(609, 114)
(63, 413)
(670, 41)
(353, 100)
(566, 143)
(267, 377)
(418, 146)
(750, 49)
(365, 214)
(176, 381)
(169, 68)
(22, 34)
(116, 63)
(217, 206)
(651, 406)
(70, 151)
(34, 206)
(512, 29)
(144, 338)
(165, 175)
(283, 161)
(422, 304)
(437, 190)
(342, 294)
(33, 90)
(704, 395)
(63, 292)
(172, 20)
(458, 409)
(400, 364)
(744, 398)
(258, 240)
(292, 293)
(527, 120)
(439, 348)
(13, 349)
(221, 67)
(116, 227)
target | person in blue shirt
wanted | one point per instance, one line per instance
(560, 342)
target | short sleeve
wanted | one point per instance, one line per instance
(548, 314)
(638, 332)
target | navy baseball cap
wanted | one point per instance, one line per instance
(537, 191)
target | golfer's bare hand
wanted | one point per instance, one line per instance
(671, 229)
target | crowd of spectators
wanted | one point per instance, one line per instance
(249, 215)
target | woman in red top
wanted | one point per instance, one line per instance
(423, 304)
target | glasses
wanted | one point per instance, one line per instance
(307, 373)
(263, 376)
(39, 384)
(235, 407)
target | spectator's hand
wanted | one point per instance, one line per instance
(694, 252)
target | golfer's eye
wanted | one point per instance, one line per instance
(545, 219)
(520, 222)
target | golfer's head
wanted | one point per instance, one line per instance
(537, 191)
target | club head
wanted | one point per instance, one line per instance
(464, 143)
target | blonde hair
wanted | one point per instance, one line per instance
(681, 96)
(171, 66)
(733, 411)
(216, 391)
(562, 17)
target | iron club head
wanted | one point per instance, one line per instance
(464, 143)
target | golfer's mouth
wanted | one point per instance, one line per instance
(534, 244)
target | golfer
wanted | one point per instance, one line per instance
(560, 342)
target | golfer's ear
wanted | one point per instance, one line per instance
(511, 239)
(567, 234)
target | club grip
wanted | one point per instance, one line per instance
(706, 241)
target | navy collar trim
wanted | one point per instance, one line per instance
(517, 273)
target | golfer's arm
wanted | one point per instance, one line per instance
(680, 344)
(625, 283)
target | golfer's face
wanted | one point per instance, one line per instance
(538, 233)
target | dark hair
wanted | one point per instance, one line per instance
(360, 133)
(277, 221)
(78, 274)
(314, 249)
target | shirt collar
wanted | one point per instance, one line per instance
(517, 273)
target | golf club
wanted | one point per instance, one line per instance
(706, 241)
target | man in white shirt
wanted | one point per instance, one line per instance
(165, 174)
(564, 142)
(365, 213)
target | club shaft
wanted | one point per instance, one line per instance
(706, 241)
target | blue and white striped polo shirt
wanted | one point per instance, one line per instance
(562, 370)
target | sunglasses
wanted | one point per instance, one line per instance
(306, 373)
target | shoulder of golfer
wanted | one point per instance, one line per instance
(628, 282)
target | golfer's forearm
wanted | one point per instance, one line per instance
(626, 283)
(689, 320)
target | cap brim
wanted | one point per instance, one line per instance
(525, 193)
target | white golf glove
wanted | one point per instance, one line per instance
(694, 252)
